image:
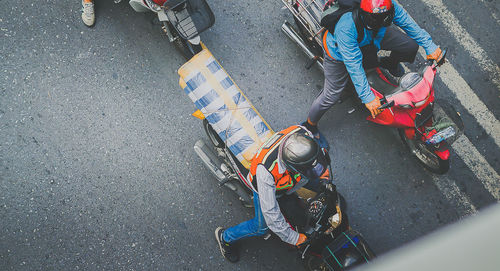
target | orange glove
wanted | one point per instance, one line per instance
(436, 55)
(373, 107)
(302, 239)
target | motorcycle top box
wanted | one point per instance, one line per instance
(182, 21)
(347, 251)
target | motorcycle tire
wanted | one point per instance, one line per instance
(212, 135)
(242, 193)
(187, 49)
(343, 202)
(313, 263)
(424, 156)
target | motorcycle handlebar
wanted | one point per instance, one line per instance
(385, 104)
(441, 59)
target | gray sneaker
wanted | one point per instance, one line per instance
(88, 15)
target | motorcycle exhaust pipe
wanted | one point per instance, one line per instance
(212, 163)
(290, 32)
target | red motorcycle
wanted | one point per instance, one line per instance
(408, 103)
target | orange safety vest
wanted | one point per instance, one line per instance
(267, 156)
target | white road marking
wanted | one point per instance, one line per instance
(469, 100)
(492, 14)
(478, 165)
(453, 194)
(463, 147)
(450, 189)
(463, 38)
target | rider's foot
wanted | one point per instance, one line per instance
(228, 251)
(312, 128)
(322, 142)
(88, 15)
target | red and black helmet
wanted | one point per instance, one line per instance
(376, 13)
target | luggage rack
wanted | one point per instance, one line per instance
(308, 14)
(189, 17)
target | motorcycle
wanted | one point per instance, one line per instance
(236, 131)
(331, 244)
(426, 127)
(182, 21)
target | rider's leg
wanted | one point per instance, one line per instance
(336, 79)
(402, 47)
(370, 58)
(254, 227)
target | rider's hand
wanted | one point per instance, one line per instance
(373, 107)
(325, 175)
(302, 239)
(436, 56)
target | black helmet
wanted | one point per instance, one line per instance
(301, 154)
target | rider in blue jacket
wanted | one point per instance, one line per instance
(345, 57)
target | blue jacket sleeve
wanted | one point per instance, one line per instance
(348, 47)
(405, 22)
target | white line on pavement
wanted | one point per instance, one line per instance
(478, 165)
(468, 98)
(463, 147)
(492, 14)
(453, 194)
(471, 102)
(463, 38)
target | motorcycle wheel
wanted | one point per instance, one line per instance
(424, 156)
(212, 135)
(313, 263)
(242, 193)
(187, 49)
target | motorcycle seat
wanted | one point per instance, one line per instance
(381, 83)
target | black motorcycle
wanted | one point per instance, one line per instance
(331, 244)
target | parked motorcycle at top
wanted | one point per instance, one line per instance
(236, 131)
(408, 102)
(182, 21)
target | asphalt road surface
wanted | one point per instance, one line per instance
(97, 168)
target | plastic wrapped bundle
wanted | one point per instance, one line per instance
(225, 107)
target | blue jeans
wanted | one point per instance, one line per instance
(257, 226)
(254, 227)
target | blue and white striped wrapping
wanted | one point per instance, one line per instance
(225, 107)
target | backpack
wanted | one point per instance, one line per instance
(334, 9)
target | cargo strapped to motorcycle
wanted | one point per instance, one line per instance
(225, 107)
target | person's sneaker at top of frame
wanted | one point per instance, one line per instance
(88, 15)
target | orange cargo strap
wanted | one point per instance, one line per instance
(325, 46)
